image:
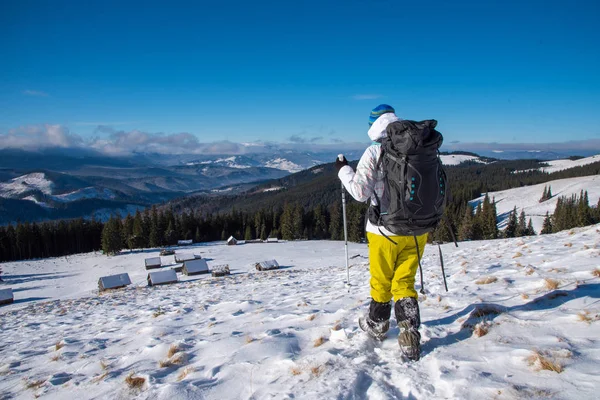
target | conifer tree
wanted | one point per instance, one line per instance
(263, 232)
(298, 221)
(466, 227)
(529, 230)
(286, 222)
(478, 223)
(128, 232)
(549, 193)
(336, 223)
(544, 195)
(584, 217)
(547, 225)
(111, 237)
(511, 226)
(521, 225)
(248, 233)
(170, 235)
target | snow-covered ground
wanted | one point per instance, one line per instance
(16, 187)
(527, 198)
(455, 159)
(515, 307)
(25, 183)
(560, 165)
(283, 164)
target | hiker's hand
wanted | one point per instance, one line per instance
(340, 163)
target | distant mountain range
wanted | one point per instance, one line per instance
(56, 183)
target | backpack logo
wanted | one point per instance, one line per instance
(415, 190)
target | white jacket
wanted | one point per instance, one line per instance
(367, 181)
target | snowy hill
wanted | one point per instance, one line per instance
(456, 159)
(527, 198)
(520, 321)
(21, 185)
(560, 165)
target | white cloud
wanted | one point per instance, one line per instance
(366, 96)
(40, 136)
(36, 93)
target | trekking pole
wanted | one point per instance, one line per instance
(341, 158)
(442, 264)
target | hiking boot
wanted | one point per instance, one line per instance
(376, 330)
(409, 340)
(409, 320)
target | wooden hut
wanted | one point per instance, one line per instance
(153, 262)
(6, 296)
(220, 270)
(179, 258)
(232, 241)
(195, 267)
(266, 265)
(113, 281)
(272, 240)
(162, 277)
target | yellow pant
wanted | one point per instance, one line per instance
(394, 266)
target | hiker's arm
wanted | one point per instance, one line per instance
(360, 184)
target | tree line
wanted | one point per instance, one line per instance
(309, 209)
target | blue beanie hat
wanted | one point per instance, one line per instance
(379, 111)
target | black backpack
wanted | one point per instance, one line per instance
(415, 190)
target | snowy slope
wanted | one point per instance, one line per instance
(22, 184)
(292, 333)
(527, 198)
(456, 159)
(560, 165)
(283, 164)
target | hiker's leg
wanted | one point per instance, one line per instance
(407, 264)
(382, 258)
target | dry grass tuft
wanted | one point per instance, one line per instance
(529, 271)
(481, 329)
(586, 247)
(316, 371)
(295, 371)
(99, 378)
(59, 345)
(55, 357)
(568, 244)
(524, 296)
(587, 317)
(519, 265)
(34, 384)
(541, 362)
(172, 350)
(518, 254)
(486, 280)
(571, 232)
(135, 382)
(311, 317)
(551, 284)
(319, 341)
(596, 273)
(184, 373)
(249, 339)
(462, 264)
(177, 359)
(337, 326)
(158, 312)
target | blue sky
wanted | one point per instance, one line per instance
(304, 71)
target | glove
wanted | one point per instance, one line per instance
(339, 164)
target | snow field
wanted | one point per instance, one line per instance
(527, 198)
(515, 307)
